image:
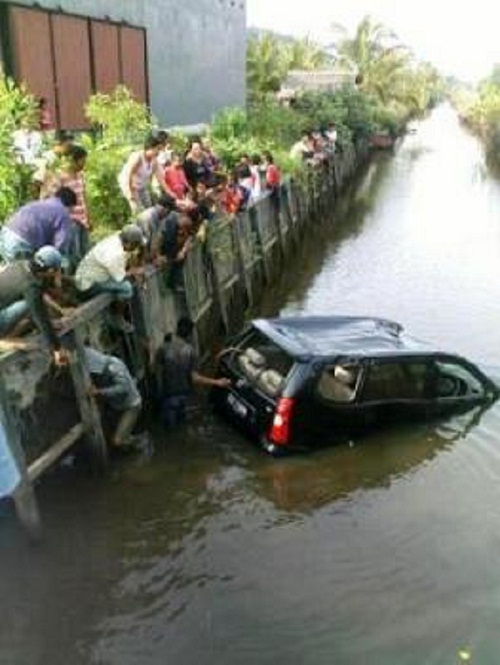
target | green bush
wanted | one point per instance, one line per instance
(17, 107)
(274, 123)
(107, 207)
(265, 127)
(229, 124)
(118, 117)
(121, 125)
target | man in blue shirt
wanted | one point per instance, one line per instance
(38, 224)
(114, 384)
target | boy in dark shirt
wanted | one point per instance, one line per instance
(177, 366)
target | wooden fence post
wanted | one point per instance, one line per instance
(23, 495)
(89, 412)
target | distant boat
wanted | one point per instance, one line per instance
(381, 141)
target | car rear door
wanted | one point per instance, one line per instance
(259, 370)
(324, 411)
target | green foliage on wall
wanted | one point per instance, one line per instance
(121, 124)
(17, 108)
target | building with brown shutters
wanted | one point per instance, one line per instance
(185, 59)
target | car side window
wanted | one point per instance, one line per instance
(339, 383)
(396, 380)
(454, 380)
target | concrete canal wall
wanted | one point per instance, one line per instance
(45, 410)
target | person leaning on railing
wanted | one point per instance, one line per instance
(37, 224)
(104, 269)
(22, 288)
(152, 223)
(177, 240)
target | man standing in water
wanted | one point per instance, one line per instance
(113, 383)
(177, 364)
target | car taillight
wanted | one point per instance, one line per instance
(279, 432)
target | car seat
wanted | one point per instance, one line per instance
(270, 381)
(252, 363)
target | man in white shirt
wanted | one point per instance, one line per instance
(304, 148)
(27, 143)
(104, 268)
(331, 135)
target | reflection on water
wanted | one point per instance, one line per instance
(380, 550)
(302, 484)
(320, 245)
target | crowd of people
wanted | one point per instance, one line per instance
(46, 251)
(47, 257)
(314, 147)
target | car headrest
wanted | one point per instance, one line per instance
(271, 381)
(344, 376)
(252, 363)
(254, 357)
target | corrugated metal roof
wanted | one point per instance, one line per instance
(318, 79)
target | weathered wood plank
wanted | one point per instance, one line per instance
(89, 412)
(51, 455)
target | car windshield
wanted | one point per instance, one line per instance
(263, 362)
(455, 380)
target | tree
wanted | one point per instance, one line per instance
(375, 52)
(270, 58)
(266, 65)
(123, 123)
(305, 54)
(494, 77)
(17, 109)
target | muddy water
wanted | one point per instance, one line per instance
(383, 550)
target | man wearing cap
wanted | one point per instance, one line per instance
(22, 288)
(104, 268)
(152, 222)
(113, 383)
(38, 224)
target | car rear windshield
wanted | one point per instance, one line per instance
(263, 362)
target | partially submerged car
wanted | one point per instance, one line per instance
(299, 382)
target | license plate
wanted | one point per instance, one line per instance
(235, 404)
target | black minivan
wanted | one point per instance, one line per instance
(299, 382)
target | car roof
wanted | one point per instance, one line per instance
(328, 336)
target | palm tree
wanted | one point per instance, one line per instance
(305, 54)
(270, 58)
(374, 51)
(266, 64)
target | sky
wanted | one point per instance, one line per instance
(459, 38)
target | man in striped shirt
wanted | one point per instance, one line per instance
(72, 175)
